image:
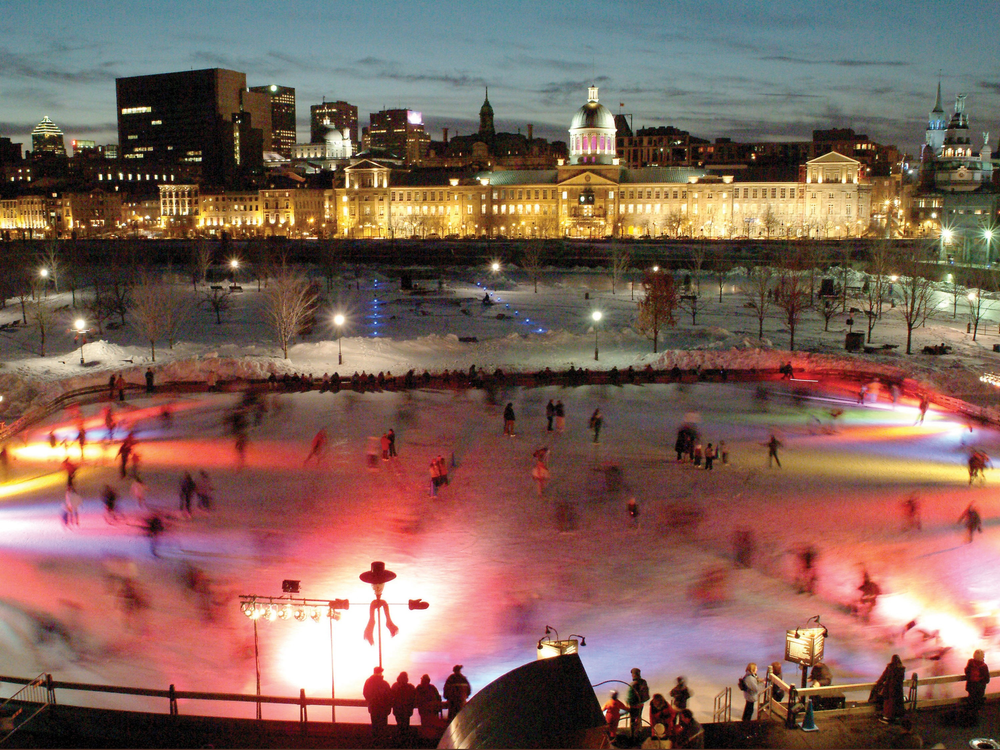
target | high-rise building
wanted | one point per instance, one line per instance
(332, 115)
(398, 131)
(203, 117)
(46, 138)
(282, 101)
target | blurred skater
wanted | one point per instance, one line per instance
(972, 521)
(318, 448)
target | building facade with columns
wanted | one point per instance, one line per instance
(589, 195)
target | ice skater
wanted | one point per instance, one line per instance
(772, 446)
(540, 472)
(204, 489)
(242, 442)
(186, 493)
(925, 404)
(391, 434)
(318, 448)
(508, 420)
(560, 417)
(550, 415)
(596, 422)
(71, 507)
(911, 513)
(978, 461)
(972, 521)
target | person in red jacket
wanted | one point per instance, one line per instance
(613, 714)
(977, 675)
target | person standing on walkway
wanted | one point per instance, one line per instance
(596, 422)
(456, 691)
(977, 675)
(638, 694)
(709, 456)
(889, 689)
(750, 685)
(613, 714)
(149, 380)
(925, 404)
(772, 451)
(378, 694)
(550, 414)
(404, 697)
(120, 385)
(428, 701)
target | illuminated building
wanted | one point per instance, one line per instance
(399, 132)
(282, 105)
(956, 199)
(46, 138)
(593, 196)
(206, 118)
(335, 115)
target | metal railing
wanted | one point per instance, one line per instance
(172, 695)
(722, 708)
(38, 690)
(798, 697)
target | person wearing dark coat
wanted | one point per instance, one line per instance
(456, 691)
(820, 675)
(508, 420)
(149, 380)
(427, 700)
(378, 694)
(403, 701)
(977, 674)
(889, 690)
(680, 694)
(550, 414)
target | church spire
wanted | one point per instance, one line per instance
(937, 102)
(486, 130)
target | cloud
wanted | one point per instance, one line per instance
(990, 86)
(559, 92)
(842, 63)
(375, 68)
(16, 65)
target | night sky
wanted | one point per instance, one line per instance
(768, 71)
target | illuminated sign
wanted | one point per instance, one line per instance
(414, 118)
(804, 645)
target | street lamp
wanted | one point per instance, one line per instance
(596, 316)
(338, 320)
(81, 331)
(988, 235)
(234, 264)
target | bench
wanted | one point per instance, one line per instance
(235, 288)
(216, 287)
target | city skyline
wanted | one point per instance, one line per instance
(756, 71)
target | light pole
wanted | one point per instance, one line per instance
(338, 320)
(946, 235)
(80, 326)
(234, 264)
(988, 235)
(596, 316)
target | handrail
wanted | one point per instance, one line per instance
(798, 695)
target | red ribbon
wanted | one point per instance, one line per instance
(370, 629)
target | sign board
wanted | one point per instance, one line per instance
(804, 646)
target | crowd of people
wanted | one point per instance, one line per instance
(402, 698)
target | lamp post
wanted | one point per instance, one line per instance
(80, 326)
(596, 316)
(234, 264)
(988, 235)
(946, 235)
(338, 320)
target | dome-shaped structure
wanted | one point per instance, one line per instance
(592, 133)
(338, 143)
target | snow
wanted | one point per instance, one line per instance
(489, 555)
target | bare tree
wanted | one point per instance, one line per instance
(656, 309)
(759, 293)
(119, 291)
(828, 309)
(769, 220)
(692, 304)
(290, 303)
(879, 266)
(872, 300)
(673, 221)
(42, 315)
(697, 255)
(51, 262)
(531, 261)
(216, 300)
(916, 293)
(791, 295)
(979, 279)
(201, 259)
(149, 307)
(720, 266)
(621, 261)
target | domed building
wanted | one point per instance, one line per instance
(592, 133)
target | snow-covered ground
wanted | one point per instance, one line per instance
(496, 562)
